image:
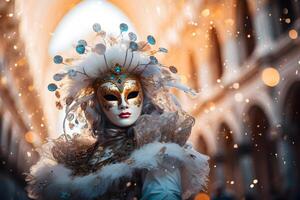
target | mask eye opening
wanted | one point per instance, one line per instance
(133, 94)
(110, 97)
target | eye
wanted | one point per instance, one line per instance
(110, 97)
(133, 94)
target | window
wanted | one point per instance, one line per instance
(245, 33)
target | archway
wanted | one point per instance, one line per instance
(201, 145)
(266, 178)
(227, 171)
(291, 128)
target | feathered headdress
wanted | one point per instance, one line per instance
(112, 59)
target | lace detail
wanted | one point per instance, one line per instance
(85, 154)
(167, 127)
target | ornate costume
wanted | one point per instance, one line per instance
(132, 131)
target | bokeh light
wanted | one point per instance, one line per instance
(202, 196)
(270, 76)
(29, 137)
(293, 34)
(205, 13)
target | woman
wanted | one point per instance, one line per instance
(132, 131)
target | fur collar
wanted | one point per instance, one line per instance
(50, 180)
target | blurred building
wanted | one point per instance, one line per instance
(16, 151)
(241, 55)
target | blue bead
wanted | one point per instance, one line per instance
(161, 49)
(83, 42)
(52, 87)
(118, 69)
(153, 60)
(80, 49)
(100, 49)
(132, 36)
(97, 27)
(58, 77)
(58, 59)
(133, 46)
(151, 40)
(123, 27)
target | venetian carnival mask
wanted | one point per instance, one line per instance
(121, 99)
(111, 70)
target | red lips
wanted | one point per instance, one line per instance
(124, 115)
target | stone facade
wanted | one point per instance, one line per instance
(220, 47)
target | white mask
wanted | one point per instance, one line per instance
(121, 103)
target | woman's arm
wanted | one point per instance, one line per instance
(162, 185)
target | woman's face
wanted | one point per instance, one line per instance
(121, 103)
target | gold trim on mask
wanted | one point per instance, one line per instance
(117, 89)
(134, 88)
(106, 90)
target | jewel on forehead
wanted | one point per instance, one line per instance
(117, 69)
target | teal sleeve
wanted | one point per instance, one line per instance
(162, 185)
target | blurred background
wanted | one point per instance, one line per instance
(242, 56)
